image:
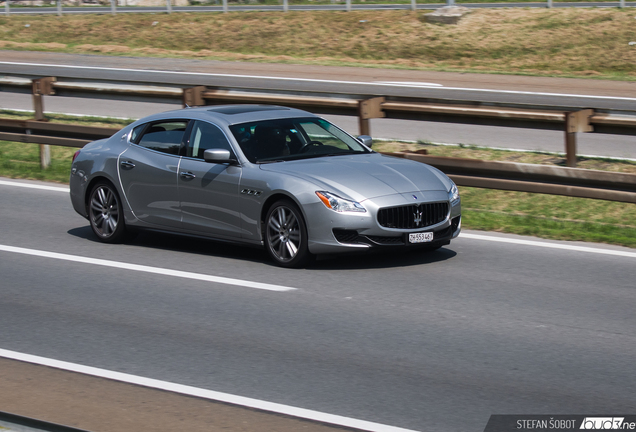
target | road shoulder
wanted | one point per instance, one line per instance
(102, 405)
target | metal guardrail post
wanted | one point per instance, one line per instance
(348, 5)
(224, 6)
(549, 4)
(413, 5)
(113, 7)
(575, 122)
(41, 87)
(6, 7)
(193, 96)
(59, 7)
(285, 5)
(368, 109)
(168, 6)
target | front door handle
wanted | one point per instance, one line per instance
(127, 165)
(187, 175)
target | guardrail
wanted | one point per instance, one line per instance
(364, 106)
(285, 6)
(512, 176)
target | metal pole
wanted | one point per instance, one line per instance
(169, 6)
(6, 7)
(113, 6)
(348, 5)
(621, 6)
(413, 4)
(225, 6)
(285, 5)
(59, 7)
(450, 3)
(549, 4)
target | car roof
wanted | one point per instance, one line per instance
(233, 114)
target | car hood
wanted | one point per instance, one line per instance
(365, 176)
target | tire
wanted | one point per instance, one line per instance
(106, 214)
(286, 238)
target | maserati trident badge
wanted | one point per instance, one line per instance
(417, 217)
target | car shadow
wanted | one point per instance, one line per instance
(84, 232)
(215, 248)
(182, 243)
(382, 259)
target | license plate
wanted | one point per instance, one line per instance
(420, 237)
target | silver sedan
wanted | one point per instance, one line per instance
(276, 177)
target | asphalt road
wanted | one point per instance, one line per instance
(567, 93)
(431, 342)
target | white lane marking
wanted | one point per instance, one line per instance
(146, 269)
(549, 245)
(35, 186)
(150, 71)
(411, 84)
(203, 393)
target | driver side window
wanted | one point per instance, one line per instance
(205, 136)
(315, 133)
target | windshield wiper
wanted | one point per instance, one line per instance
(265, 161)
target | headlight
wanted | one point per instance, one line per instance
(453, 194)
(335, 203)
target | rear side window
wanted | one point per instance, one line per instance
(164, 136)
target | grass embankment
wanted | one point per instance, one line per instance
(555, 42)
(546, 216)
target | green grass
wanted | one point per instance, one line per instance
(549, 216)
(19, 160)
(546, 216)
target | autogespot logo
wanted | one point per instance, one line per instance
(605, 423)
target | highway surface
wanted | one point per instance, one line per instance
(571, 94)
(491, 324)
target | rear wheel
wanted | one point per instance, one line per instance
(105, 213)
(286, 235)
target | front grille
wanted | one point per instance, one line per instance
(413, 216)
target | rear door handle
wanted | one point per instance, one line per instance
(187, 175)
(127, 165)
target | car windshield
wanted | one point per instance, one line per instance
(289, 139)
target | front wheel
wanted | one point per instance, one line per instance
(105, 213)
(286, 235)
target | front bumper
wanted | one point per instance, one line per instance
(442, 235)
(330, 232)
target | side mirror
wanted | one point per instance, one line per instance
(218, 156)
(366, 140)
